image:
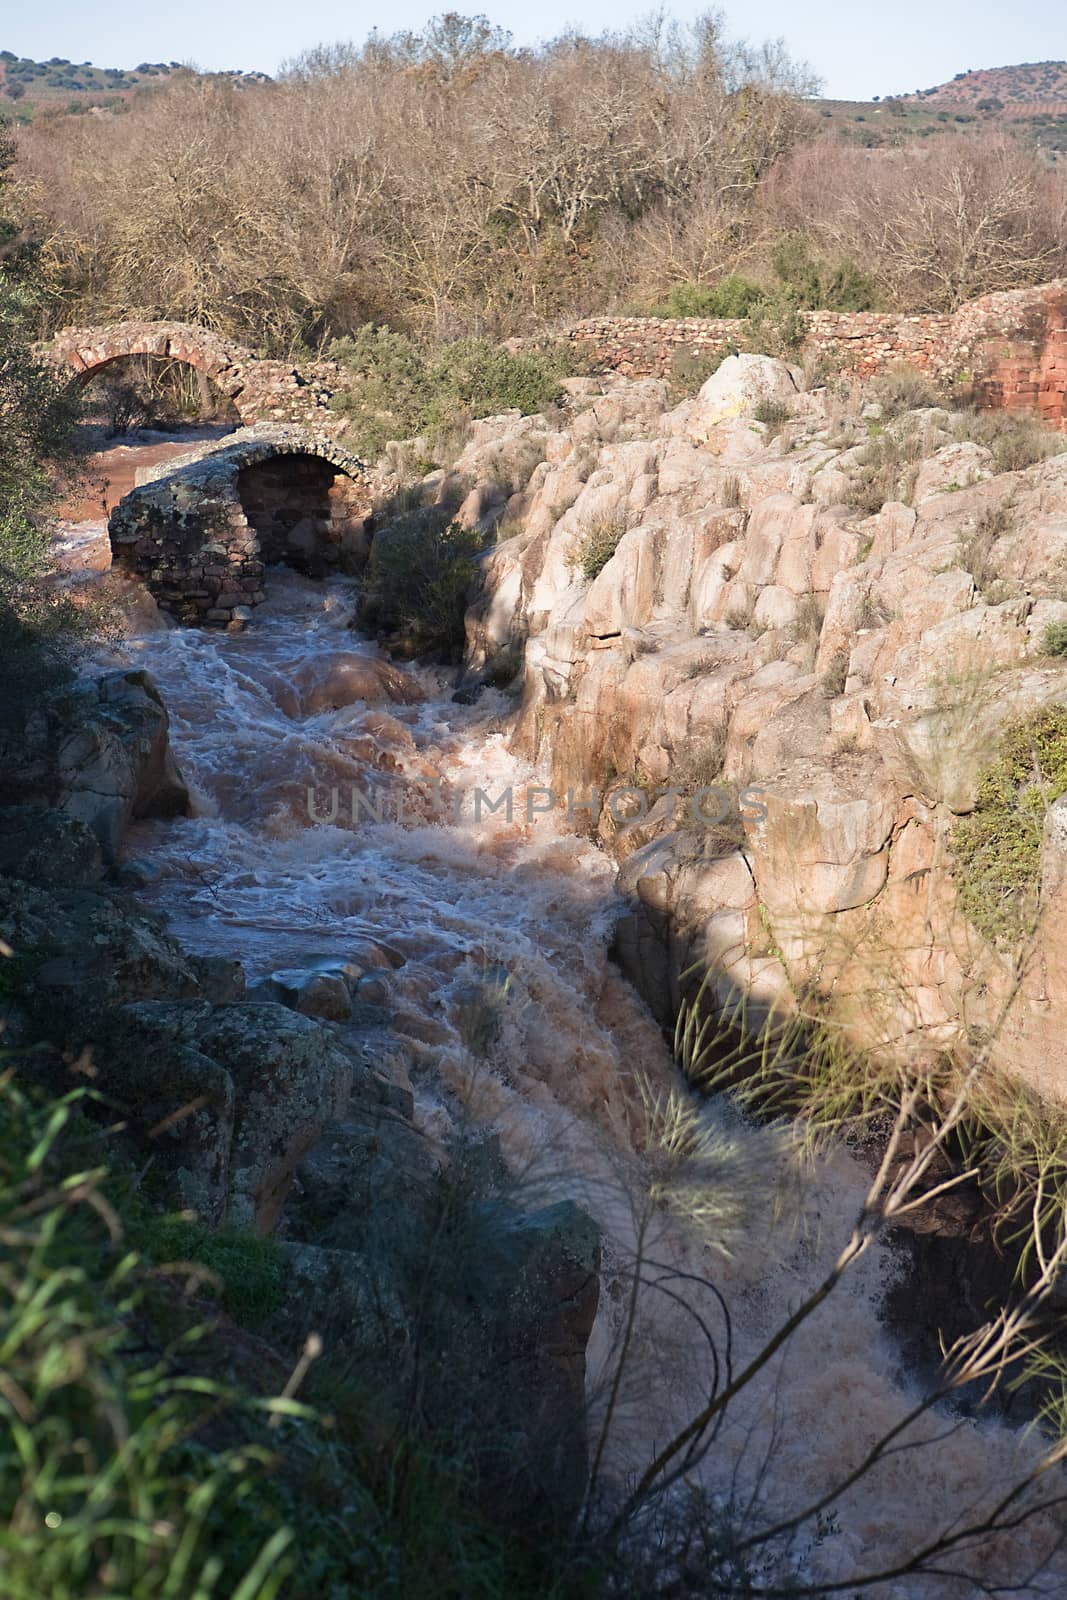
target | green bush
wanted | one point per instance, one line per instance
(732, 297)
(599, 544)
(802, 281)
(136, 1463)
(480, 378)
(388, 396)
(106, 1484)
(399, 390)
(814, 283)
(248, 1268)
(776, 327)
(1054, 639)
(998, 846)
(37, 415)
(421, 569)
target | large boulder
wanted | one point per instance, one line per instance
(324, 990)
(369, 1174)
(229, 1098)
(822, 848)
(952, 468)
(346, 678)
(431, 1273)
(97, 750)
(535, 1288)
(82, 951)
(48, 848)
(736, 389)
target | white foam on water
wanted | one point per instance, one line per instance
(251, 876)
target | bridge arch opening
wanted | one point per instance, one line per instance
(168, 394)
(305, 512)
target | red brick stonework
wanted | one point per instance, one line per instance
(1028, 370)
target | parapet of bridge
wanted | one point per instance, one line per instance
(201, 530)
(261, 391)
(1007, 350)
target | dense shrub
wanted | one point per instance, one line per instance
(599, 543)
(665, 168)
(733, 297)
(814, 282)
(37, 414)
(1016, 441)
(903, 388)
(933, 224)
(419, 576)
(359, 186)
(138, 1456)
(106, 1484)
(887, 468)
(399, 390)
(800, 280)
(1054, 640)
(690, 368)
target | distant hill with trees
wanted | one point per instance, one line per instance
(61, 85)
(1023, 90)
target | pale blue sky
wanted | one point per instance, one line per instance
(859, 50)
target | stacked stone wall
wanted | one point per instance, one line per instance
(1008, 350)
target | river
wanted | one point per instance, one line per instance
(266, 724)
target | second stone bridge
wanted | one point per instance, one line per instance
(201, 531)
(259, 390)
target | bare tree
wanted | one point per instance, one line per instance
(440, 179)
(935, 224)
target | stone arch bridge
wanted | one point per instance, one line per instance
(259, 390)
(200, 529)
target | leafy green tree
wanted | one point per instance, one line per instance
(37, 415)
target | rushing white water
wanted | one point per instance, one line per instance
(259, 717)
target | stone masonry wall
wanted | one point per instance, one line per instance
(1010, 349)
(859, 342)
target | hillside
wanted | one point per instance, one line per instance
(1031, 94)
(1031, 99)
(1029, 89)
(59, 84)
